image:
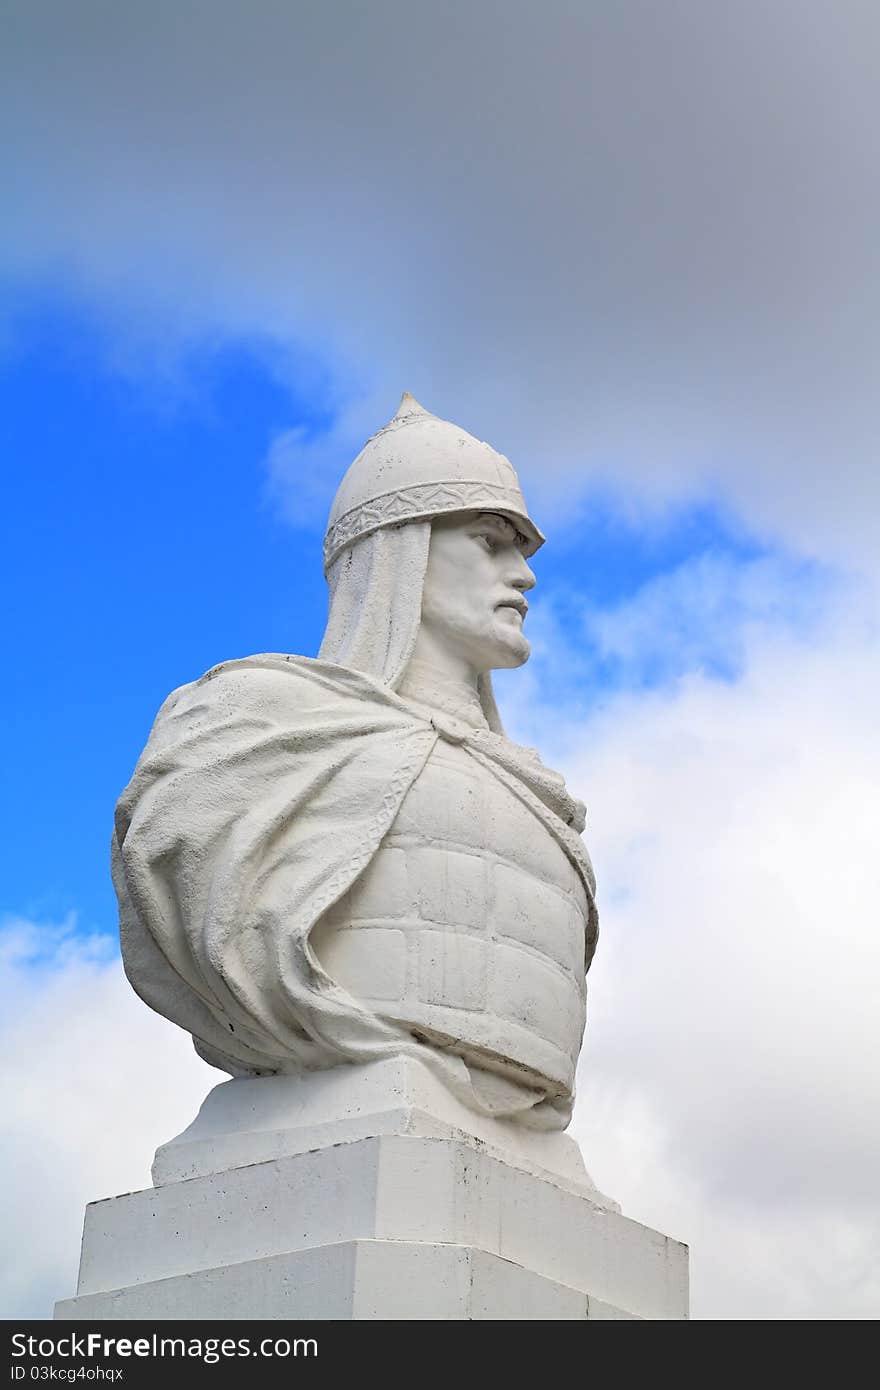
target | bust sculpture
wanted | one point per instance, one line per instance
(335, 860)
(376, 912)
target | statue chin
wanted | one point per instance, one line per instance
(510, 651)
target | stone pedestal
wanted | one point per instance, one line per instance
(368, 1193)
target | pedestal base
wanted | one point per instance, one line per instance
(367, 1280)
(418, 1219)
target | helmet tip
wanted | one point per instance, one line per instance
(409, 406)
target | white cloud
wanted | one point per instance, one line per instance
(92, 1083)
(303, 468)
(728, 1083)
(703, 614)
(629, 243)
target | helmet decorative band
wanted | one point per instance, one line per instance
(420, 502)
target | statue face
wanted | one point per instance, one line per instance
(472, 604)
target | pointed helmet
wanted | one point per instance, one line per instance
(418, 467)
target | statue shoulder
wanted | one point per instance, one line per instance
(273, 685)
(239, 709)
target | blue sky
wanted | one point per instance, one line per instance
(635, 248)
(141, 549)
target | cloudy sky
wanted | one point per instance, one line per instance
(635, 246)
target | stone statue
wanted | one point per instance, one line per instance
(376, 912)
(336, 860)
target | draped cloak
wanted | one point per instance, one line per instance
(264, 791)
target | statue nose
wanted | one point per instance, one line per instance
(520, 576)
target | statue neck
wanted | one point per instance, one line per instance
(425, 684)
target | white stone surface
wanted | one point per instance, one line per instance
(251, 1120)
(361, 1280)
(273, 1231)
(470, 922)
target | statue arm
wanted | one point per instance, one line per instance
(260, 796)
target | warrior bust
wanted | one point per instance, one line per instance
(334, 860)
(376, 912)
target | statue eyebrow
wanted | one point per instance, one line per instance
(500, 522)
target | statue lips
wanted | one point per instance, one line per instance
(519, 605)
